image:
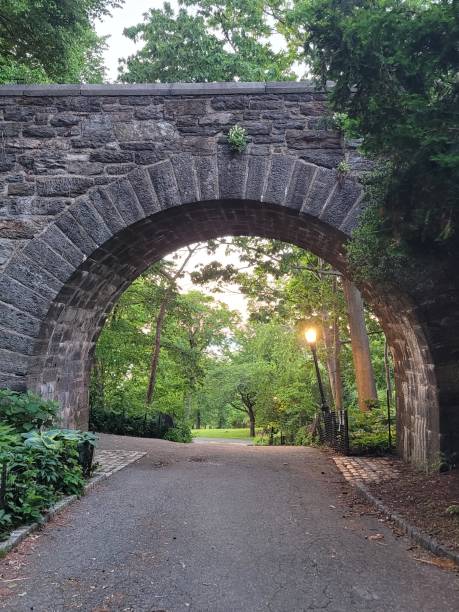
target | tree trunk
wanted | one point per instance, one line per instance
(252, 423)
(160, 322)
(198, 419)
(333, 347)
(156, 348)
(364, 374)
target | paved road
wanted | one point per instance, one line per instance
(221, 528)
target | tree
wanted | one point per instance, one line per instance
(395, 65)
(211, 42)
(286, 283)
(51, 40)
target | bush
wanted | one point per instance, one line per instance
(369, 432)
(179, 433)
(126, 424)
(26, 411)
(303, 436)
(36, 478)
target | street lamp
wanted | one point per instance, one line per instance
(311, 339)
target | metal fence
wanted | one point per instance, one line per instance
(332, 427)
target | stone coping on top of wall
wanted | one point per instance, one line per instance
(163, 89)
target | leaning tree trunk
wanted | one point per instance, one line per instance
(156, 348)
(364, 374)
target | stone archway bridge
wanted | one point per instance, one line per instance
(98, 182)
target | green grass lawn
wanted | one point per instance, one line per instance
(221, 433)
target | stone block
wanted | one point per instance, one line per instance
(59, 242)
(79, 236)
(165, 185)
(85, 168)
(142, 185)
(111, 156)
(37, 250)
(310, 139)
(232, 175)
(256, 176)
(107, 210)
(207, 176)
(18, 321)
(32, 274)
(17, 228)
(277, 185)
(174, 108)
(185, 177)
(119, 169)
(21, 189)
(65, 120)
(229, 103)
(156, 131)
(300, 182)
(63, 186)
(16, 363)
(343, 199)
(22, 297)
(38, 131)
(324, 182)
(86, 216)
(125, 200)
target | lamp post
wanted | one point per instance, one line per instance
(311, 338)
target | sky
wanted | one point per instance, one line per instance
(131, 13)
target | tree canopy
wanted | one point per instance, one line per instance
(51, 40)
(206, 42)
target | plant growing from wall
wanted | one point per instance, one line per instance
(237, 138)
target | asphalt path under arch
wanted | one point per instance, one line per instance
(222, 528)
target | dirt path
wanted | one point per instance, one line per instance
(221, 528)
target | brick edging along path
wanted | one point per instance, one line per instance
(109, 461)
(360, 470)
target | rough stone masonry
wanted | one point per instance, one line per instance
(98, 182)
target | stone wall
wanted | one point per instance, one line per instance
(97, 183)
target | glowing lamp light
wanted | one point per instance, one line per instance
(311, 335)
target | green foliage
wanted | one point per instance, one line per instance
(9, 437)
(205, 42)
(453, 510)
(26, 411)
(36, 477)
(237, 138)
(368, 432)
(303, 436)
(179, 433)
(395, 70)
(125, 423)
(45, 41)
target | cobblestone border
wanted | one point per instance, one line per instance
(18, 535)
(356, 472)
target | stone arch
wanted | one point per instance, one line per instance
(60, 287)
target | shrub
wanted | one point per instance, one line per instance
(237, 138)
(8, 437)
(36, 478)
(369, 433)
(303, 436)
(179, 433)
(26, 411)
(127, 424)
